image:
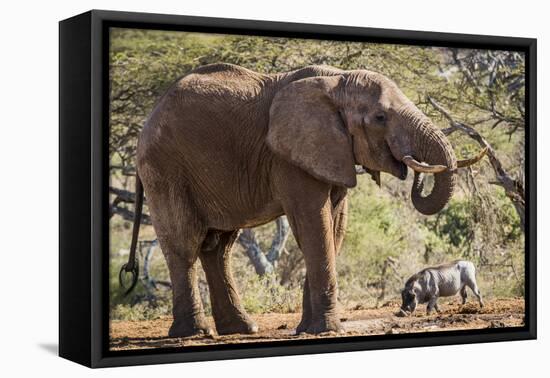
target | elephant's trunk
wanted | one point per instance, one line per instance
(432, 147)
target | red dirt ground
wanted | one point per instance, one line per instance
(497, 313)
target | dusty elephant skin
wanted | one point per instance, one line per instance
(227, 148)
(445, 280)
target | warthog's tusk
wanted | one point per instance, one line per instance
(402, 313)
(475, 159)
(417, 166)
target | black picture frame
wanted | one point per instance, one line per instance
(83, 181)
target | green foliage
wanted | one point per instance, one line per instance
(508, 219)
(482, 88)
(375, 233)
(456, 223)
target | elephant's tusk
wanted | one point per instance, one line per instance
(427, 168)
(417, 166)
(475, 159)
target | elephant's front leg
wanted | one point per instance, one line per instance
(318, 248)
(306, 309)
(312, 224)
(339, 216)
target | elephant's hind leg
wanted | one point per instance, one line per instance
(180, 234)
(228, 313)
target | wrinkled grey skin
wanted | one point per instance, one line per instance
(445, 280)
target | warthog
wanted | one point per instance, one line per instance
(445, 280)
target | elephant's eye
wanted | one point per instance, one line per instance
(380, 117)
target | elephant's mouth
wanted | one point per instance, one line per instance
(402, 171)
(399, 169)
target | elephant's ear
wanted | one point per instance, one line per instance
(305, 129)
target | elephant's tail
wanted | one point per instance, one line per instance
(132, 265)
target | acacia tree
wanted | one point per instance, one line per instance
(477, 96)
(490, 90)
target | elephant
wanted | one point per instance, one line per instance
(227, 148)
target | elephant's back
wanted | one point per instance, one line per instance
(207, 133)
(208, 107)
(224, 84)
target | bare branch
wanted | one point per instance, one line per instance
(279, 240)
(247, 238)
(123, 195)
(128, 215)
(514, 188)
(265, 263)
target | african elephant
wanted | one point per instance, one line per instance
(227, 148)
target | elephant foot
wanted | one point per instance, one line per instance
(322, 326)
(244, 326)
(303, 326)
(189, 329)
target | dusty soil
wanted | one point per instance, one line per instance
(358, 321)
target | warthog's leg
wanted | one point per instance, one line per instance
(463, 294)
(472, 285)
(431, 305)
